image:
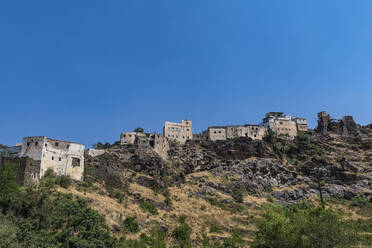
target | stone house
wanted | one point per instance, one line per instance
(230, 132)
(301, 124)
(280, 124)
(64, 158)
(180, 132)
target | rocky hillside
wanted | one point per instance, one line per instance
(221, 186)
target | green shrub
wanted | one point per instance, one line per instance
(64, 181)
(215, 228)
(359, 201)
(147, 206)
(238, 193)
(181, 235)
(131, 225)
(8, 180)
(302, 226)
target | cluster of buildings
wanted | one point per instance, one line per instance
(67, 158)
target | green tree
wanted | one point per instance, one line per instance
(8, 180)
(302, 226)
(139, 130)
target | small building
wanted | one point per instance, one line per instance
(281, 124)
(64, 158)
(180, 132)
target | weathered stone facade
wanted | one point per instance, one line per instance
(301, 124)
(231, 132)
(345, 126)
(284, 124)
(157, 142)
(64, 158)
(180, 132)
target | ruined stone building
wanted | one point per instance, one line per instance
(157, 142)
(180, 132)
(345, 126)
(230, 132)
(284, 124)
(64, 158)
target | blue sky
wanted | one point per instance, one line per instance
(87, 70)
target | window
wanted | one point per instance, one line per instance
(130, 135)
(46, 145)
(215, 131)
(188, 130)
(219, 131)
(281, 123)
(75, 162)
(36, 143)
(68, 146)
(187, 122)
(60, 159)
(183, 136)
(52, 158)
(28, 143)
(176, 136)
(57, 144)
(124, 135)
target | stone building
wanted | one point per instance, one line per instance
(154, 141)
(230, 132)
(64, 158)
(180, 132)
(301, 124)
(345, 126)
(280, 123)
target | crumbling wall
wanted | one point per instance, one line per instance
(28, 169)
(345, 127)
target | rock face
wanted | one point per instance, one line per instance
(346, 126)
(251, 164)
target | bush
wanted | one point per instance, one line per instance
(131, 224)
(181, 235)
(8, 180)
(238, 193)
(302, 226)
(359, 201)
(147, 206)
(64, 181)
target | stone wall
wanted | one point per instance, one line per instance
(64, 158)
(345, 127)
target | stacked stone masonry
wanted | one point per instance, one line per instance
(64, 158)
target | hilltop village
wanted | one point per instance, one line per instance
(39, 153)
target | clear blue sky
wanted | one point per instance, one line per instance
(87, 70)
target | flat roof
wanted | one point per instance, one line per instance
(30, 137)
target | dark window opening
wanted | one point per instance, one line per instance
(68, 146)
(28, 143)
(75, 162)
(57, 144)
(46, 145)
(36, 143)
(52, 158)
(60, 159)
